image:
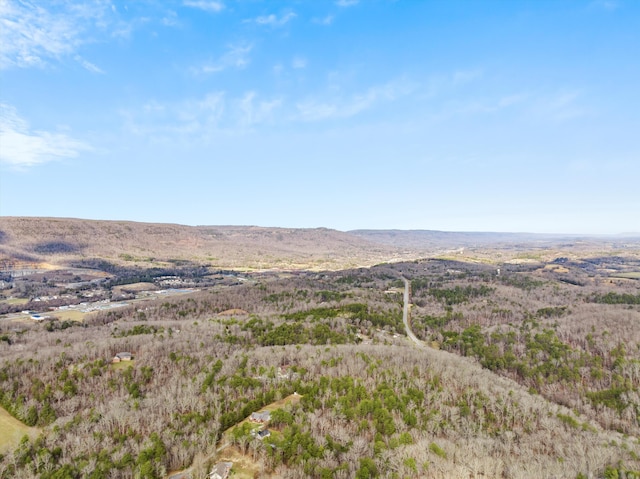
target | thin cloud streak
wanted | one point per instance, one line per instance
(347, 3)
(319, 110)
(484, 106)
(560, 107)
(463, 77)
(328, 20)
(609, 5)
(237, 56)
(273, 20)
(88, 65)
(299, 63)
(545, 107)
(23, 148)
(207, 6)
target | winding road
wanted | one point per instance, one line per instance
(405, 313)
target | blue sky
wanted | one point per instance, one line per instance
(449, 115)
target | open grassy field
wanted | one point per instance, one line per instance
(555, 268)
(121, 366)
(12, 431)
(13, 301)
(291, 399)
(629, 275)
(70, 315)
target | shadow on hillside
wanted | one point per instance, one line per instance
(56, 247)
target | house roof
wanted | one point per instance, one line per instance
(261, 416)
(221, 469)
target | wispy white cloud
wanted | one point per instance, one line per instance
(479, 106)
(483, 105)
(255, 111)
(604, 4)
(595, 167)
(559, 107)
(170, 19)
(462, 77)
(511, 100)
(535, 106)
(328, 20)
(236, 56)
(32, 35)
(168, 121)
(347, 3)
(29, 35)
(23, 148)
(273, 20)
(299, 63)
(88, 65)
(344, 107)
(441, 85)
(206, 5)
(201, 118)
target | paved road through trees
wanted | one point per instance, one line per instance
(405, 314)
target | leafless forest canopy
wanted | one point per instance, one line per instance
(529, 366)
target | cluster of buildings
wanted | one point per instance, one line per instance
(222, 469)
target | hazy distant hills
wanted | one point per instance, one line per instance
(437, 239)
(65, 240)
(424, 240)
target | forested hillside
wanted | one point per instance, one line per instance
(529, 372)
(67, 241)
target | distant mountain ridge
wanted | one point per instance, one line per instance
(64, 241)
(61, 240)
